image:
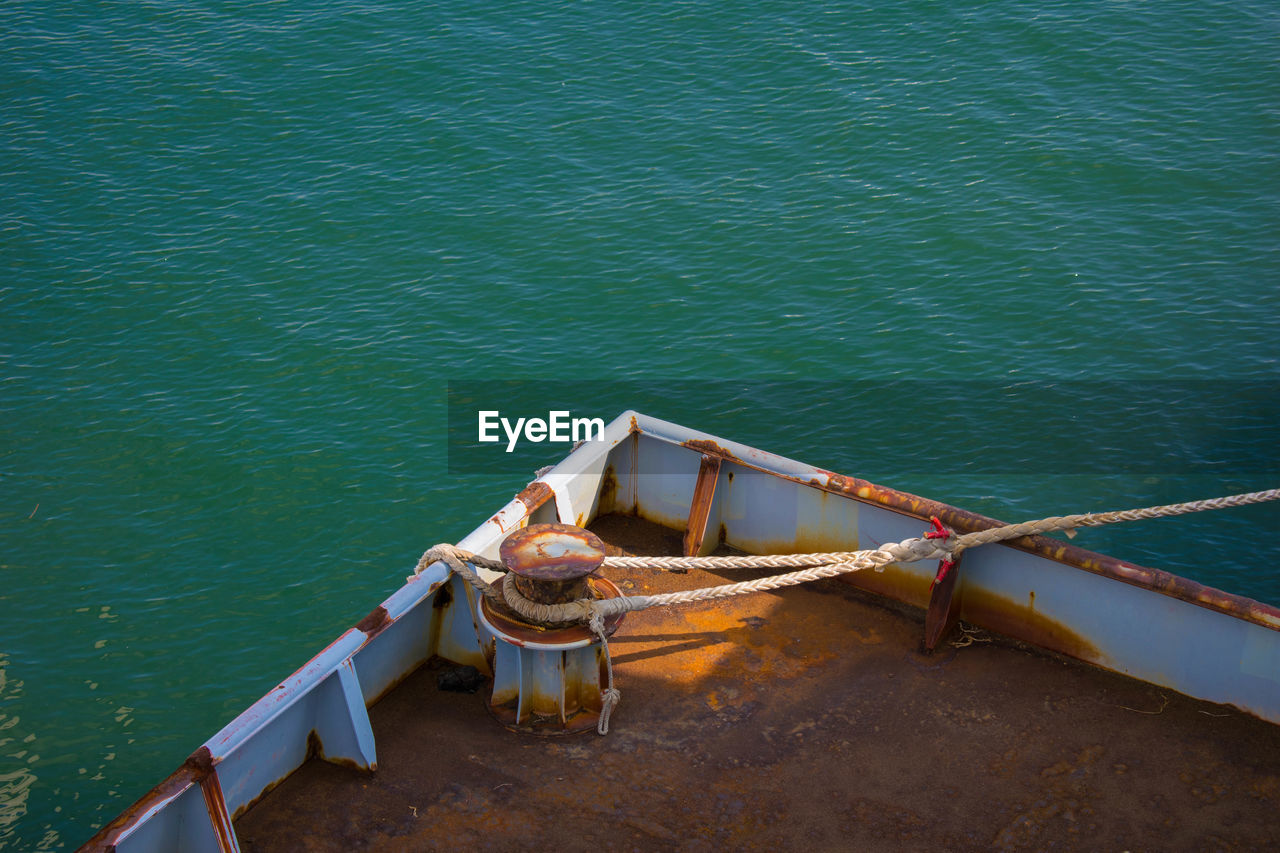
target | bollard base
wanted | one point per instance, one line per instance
(548, 681)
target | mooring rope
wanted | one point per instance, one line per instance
(944, 545)
(940, 544)
(967, 540)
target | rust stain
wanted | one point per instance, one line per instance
(216, 805)
(202, 762)
(375, 623)
(814, 540)
(315, 749)
(608, 498)
(894, 582)
(262, 795)
(704, 491)
(964, 521)
(739, 651)
(575, 709)
(1024, 622)
(633, 482)
(193, 771)
(551, 592)
(708, 447)
(944, 605)
(535, 495)
(543, 718)
(552, 552)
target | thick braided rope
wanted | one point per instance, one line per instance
(945, 546)
(595, 611)
(745, 561)
(968, 540)
(461, 562)
(827, 565)
(908, 550)
(1097, 519)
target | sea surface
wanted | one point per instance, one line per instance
(255, 258)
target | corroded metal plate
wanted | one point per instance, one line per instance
(552, 552)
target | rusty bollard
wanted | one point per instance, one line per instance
(547, 678)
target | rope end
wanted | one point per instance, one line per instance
(609, 699)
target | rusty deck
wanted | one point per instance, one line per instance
(804, 719)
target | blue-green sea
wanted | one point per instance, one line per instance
(256, 257)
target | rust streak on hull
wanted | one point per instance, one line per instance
(964, 521)
(535, 495)
(216, 805)
(895, 583)
(192, 772)
(704, 491)
(944, 607)
(1025, 623)
(709, 448)
(375, 623)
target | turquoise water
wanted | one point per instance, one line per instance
(248, 248)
